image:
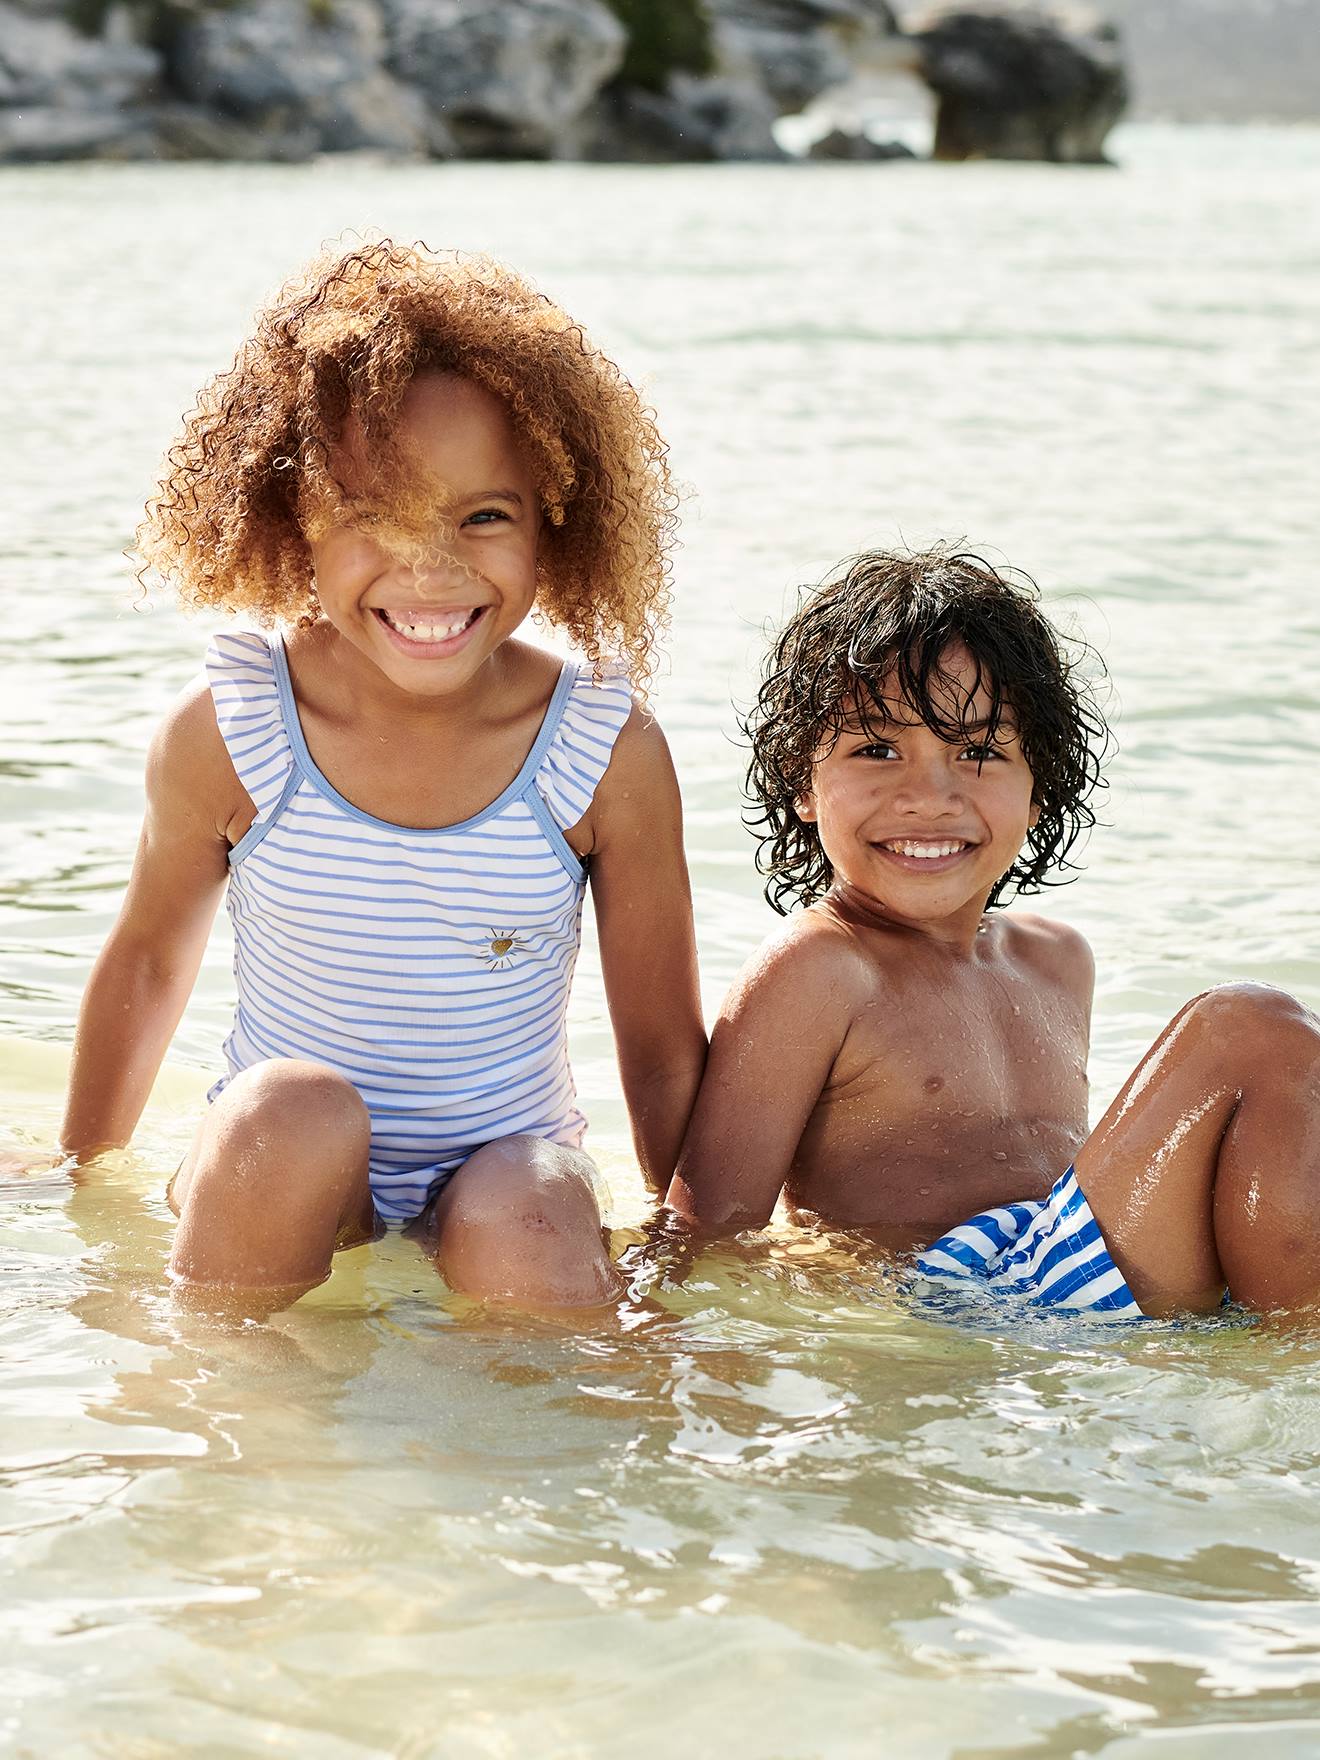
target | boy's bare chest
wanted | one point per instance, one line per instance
(946, 1100)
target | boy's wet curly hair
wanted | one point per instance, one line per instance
(254, 471)
(884, 625)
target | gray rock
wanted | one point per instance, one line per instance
(314, 78)
(856, 148)
(46, 64)
(694, 118)
(244, 60)
(43, 132)
(1021, 82)
(772, 57)
(509, 78)
(796, 49)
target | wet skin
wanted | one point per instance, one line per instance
(929, 1060)
(419, 704)
(895, 1060)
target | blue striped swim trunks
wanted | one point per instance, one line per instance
(1048, 1252)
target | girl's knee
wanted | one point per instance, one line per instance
(284, 1137)
(521, 1222)
(293, 1103)
(523, 1185)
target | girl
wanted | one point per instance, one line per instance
(403, 799)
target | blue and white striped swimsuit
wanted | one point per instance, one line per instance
(431, 968)
(1048, 1252)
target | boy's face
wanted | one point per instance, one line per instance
(920, 826)
(429, 626)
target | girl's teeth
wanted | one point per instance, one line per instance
(430, 632)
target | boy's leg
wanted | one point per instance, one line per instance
(276, 1178)
(519, 1222)
(1205, 1171)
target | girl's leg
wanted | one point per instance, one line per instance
(1205, 1171)
(519, 1222)
(275, 1180)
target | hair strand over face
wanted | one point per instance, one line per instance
(227, 526)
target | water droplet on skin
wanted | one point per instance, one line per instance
(923, 1191)
(999, 1155)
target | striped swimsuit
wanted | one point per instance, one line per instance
(431, 968)
(1048, 1252)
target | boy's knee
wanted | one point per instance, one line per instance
(1245, 1019)
(1246, 1005)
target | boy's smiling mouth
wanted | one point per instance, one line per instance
(428, 630)
(925, 852)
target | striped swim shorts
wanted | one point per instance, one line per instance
(1047, 1252)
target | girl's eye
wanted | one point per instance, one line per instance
(485, 514)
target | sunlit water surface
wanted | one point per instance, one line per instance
(776, 1513)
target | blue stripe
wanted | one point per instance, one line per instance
(365, 945)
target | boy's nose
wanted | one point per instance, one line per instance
(928, 788)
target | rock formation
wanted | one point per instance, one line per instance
(601, 79)
(1020, 82)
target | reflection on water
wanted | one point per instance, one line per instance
(779, 1496)
(780, 1508)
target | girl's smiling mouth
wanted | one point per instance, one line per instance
(427, 632)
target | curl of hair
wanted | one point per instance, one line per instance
(883, 628)
(254, 464)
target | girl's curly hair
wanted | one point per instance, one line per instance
(885, 624)
(254, 468)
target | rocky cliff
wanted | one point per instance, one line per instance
(596, 79)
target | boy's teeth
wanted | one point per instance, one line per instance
(925, 851)
(433, 631)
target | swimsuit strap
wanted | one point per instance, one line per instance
(578, 755)
(241, 673)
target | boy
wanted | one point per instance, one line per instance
(901, 1055)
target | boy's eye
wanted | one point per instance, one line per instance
(484, 515)
(879, 748)
(982, 754)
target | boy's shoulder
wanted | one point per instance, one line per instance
(811, 959)
(1055, 949)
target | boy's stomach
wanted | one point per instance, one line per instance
(907, 1187)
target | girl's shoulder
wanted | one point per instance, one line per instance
(189, 759)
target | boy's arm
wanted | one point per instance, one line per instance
(648, 950)
(146, 970)
(771, 1053)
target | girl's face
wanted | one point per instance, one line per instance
(430, 627)
(920, 826)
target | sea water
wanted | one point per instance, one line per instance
(777, 1513)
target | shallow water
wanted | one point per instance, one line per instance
(782, 1511)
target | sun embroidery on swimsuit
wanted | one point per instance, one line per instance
(500, 949)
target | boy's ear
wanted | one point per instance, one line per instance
(805, 807)
(1033, 817)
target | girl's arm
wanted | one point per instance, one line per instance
(648, 951)
(146, 970)
(771, 1053)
